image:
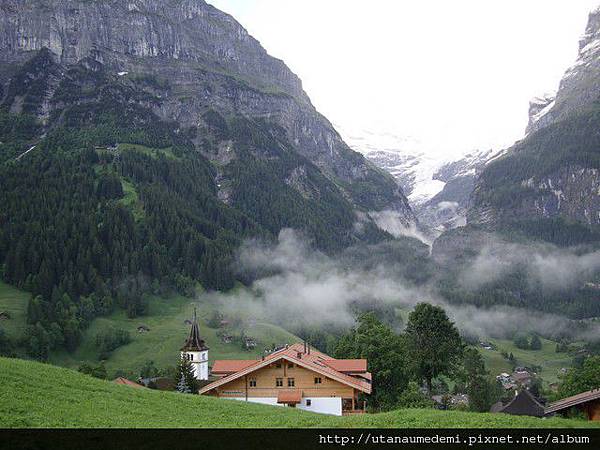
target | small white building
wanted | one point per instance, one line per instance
(195, 351)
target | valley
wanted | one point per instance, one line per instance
(163, 177)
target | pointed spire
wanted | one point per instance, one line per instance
(194, 342)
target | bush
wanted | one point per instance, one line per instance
(521, 341)
(413, 397)
(536, 343)
(111, 339)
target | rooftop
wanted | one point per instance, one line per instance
(302, 355)
(574, 400)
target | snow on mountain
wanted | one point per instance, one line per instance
(438, 185)
(406, 158)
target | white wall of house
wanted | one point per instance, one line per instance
(323, 405)
(199, 361)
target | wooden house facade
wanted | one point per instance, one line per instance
(295, 376)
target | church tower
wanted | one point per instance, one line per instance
(196, 351)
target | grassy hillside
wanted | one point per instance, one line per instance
(166, 318)
(546, 358)
(167, 333)
(161, 344)
(14, 302)
(38, 395)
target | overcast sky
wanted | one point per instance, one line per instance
(456, 75)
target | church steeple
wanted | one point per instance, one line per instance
(195, 351)
(194, 342)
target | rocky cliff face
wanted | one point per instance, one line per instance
(539, 107)
(579, 85)
(552, 174)
(207, 60)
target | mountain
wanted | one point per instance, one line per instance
(141, 142)
(209, 61)
(547, 185)
(407, 159)
(536, 206)
(438, 188)
(448, 208)
(578, 87)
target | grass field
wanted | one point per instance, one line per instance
(161, 344)
(550, 361)
(167, 152)
(167, 333)
(41, 395)
(14, 302)
(131, 199)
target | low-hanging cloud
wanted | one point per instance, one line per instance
(295, 285)
(546, 265)
(394, 223)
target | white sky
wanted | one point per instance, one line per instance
(455, 75)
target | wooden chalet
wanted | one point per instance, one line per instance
(589, 402)
(295, 376)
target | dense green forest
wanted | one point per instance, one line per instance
(112, 203)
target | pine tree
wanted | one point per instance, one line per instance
(182, 386)
(185, 371)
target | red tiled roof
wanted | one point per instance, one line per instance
(315, 361)
(568, 402)
(347, 365)
(226, 366)
(289, 397)
(365, 375)
(126, 382)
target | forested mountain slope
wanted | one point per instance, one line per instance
(141, 142)
(548, 184)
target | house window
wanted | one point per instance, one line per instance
(191, 357)
(291, 382)
(318, 380)
(279, 382)
(308, 402)
(252, 383)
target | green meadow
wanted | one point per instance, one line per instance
(546, 358)
(166, 320)
(41, 395)
(14, 302)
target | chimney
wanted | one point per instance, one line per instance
(304, 346)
